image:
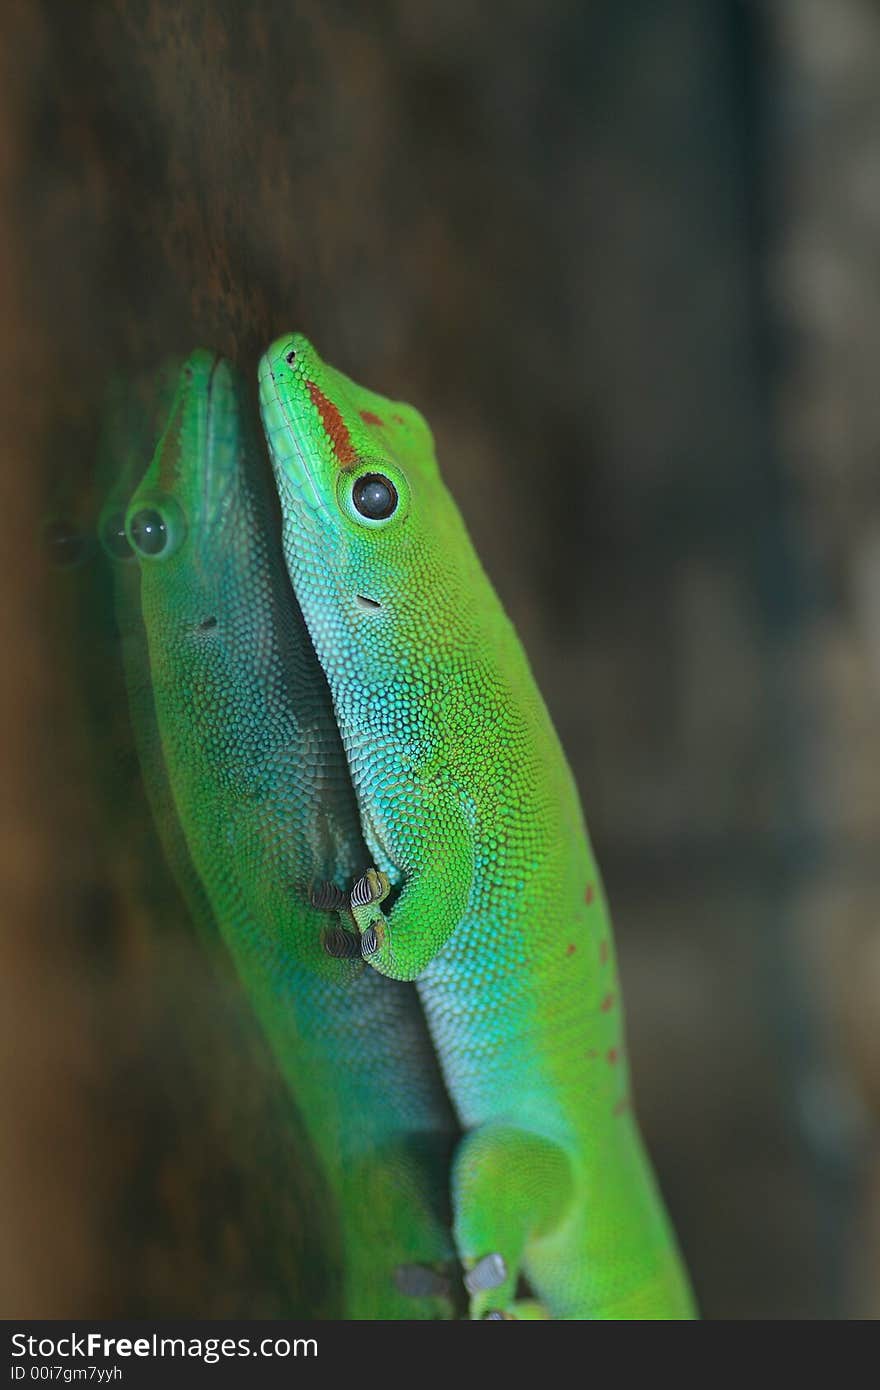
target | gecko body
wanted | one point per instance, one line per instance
(493, 901)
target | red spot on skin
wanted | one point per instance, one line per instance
(613, 1056)
(607, 1003)
(398, 419)
(570, 949)
(334, 425)
(603, 952)
(370, 419)
(589, 894)
(622, 1106)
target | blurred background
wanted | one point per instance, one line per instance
(624, 257)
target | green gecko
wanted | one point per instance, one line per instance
(135, 412)
(262, 791)
(472, 816)
(229, 1131)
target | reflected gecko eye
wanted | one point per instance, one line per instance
(374, 496)
(64, 543)
(114, 539)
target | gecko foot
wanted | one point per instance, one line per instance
(487, 1273)
(370, 943)
(366, 894)
(372, 887)
(342, 944)
(327, 897)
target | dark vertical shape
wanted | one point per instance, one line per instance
(789, 595)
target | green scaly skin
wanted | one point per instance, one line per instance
(469, 808)
(264, 1146)
(134, 416)
(262, 791)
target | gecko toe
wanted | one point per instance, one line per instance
(487, 1273)
(341, 944)
(372, 887)
(327, 897)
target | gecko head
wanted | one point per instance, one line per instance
(199, 520)
(133, 417)
(364, 507)
(184, 491)
(340, 451)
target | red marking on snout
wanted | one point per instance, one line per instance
(370, 419)
(622, 1106)
(589, 894)
(613, 1056)
(570, 949)
(607, 1004)
(334, 425)
(398, 419)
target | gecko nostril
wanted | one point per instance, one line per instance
(206, 624)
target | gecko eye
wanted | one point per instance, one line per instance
(374, 496)
(149, 532)
(290, 357)
(157, 528)
(64, 544)
(114, 539)
(374, 499)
